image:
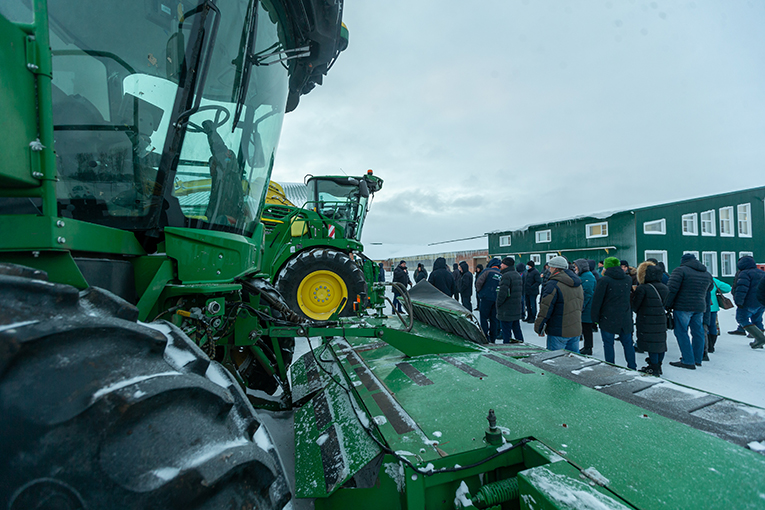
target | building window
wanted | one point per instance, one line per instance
(660, 255)
(689, 225)
(596, 230)
(709, 259)
(746, 254)
(655, 227)
(728, 263)
(550, 256)
(504, 240)
(694, 253)
(708, 223)
(726, 221)
(744, 220)
(544, 236)
(537, 258)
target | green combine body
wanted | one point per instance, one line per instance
(314, 250)
(144, 351)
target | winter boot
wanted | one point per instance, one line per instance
(651, 369)
(759, 336)
(712, 342)
(738, 331)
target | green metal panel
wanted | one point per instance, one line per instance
(209, 255)
(26, 232)
(18, 105)
(569, 238)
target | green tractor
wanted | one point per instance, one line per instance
(144, 353)
(315, 251)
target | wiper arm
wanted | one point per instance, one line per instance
(247, 59)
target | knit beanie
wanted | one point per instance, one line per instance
(611, 262)
(558, 262)
(687, 256)
(508, 261)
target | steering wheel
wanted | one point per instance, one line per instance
(217, 121)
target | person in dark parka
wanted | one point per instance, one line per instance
(486, 287)
(400, 275)
(761, 292)
(420, 273)
(531, 291)
(690, 286)
(611, 310)
(648, 303)
(457, 275)
(509, 294)
(441, 278)
(521, 268)
(748, 308)
(465, 286)
(594, 268)
(582, 269)
(381, 273)
(478, 270)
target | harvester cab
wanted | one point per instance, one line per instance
(313, 245)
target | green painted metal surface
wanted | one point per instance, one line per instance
(638, 452)
(210, 256)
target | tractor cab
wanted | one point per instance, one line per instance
(343, 200)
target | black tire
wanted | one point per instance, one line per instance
(305, 263)
(98, 411)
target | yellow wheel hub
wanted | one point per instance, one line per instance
(320, 293)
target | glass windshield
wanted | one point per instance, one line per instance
(341, 203)
(117, 67)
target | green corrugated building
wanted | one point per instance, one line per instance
(718, 229)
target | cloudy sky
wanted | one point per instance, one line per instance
(496, 114)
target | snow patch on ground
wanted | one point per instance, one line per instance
(585, 369)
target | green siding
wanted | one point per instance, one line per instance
(625, 233)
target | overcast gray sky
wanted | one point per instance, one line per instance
(495, 114)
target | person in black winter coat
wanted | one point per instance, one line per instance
(478, 270)
(521, 268)
(486, 287)
(381, 273)
(456, 274)
(441, 278)
(420, 273)
(531, 291)
(509, 294)
(593, 269)
(400, 275)
(690, 286)
(465, 287)
(648, 304)
(748, 308)
(761, 292)
(611, 310)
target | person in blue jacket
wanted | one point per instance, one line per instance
(713, 309)
(486, 287)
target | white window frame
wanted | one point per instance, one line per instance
(548, 235)
(712, 268)
(662, 222)
(537, 258)
(550, 256)
(747, 222)
(505, 240)
(745, 254)
(710, 221)
(733, 260)
(660, 255)
(603, 226)
(728, 222)
(694, 222)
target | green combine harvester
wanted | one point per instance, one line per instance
(144, 350)
(314, 250)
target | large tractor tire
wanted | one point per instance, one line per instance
(315, 282)
(100, 412)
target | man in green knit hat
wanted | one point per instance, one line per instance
(612, 311)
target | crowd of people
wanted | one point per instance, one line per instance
(620, 301)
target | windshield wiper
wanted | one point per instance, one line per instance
(246, 59)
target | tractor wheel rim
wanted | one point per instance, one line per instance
(320, 293)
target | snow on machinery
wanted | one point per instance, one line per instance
(137, 146)
(314, 248)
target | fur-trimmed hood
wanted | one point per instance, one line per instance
(648, 272)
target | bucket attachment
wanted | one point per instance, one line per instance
(433, 307)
